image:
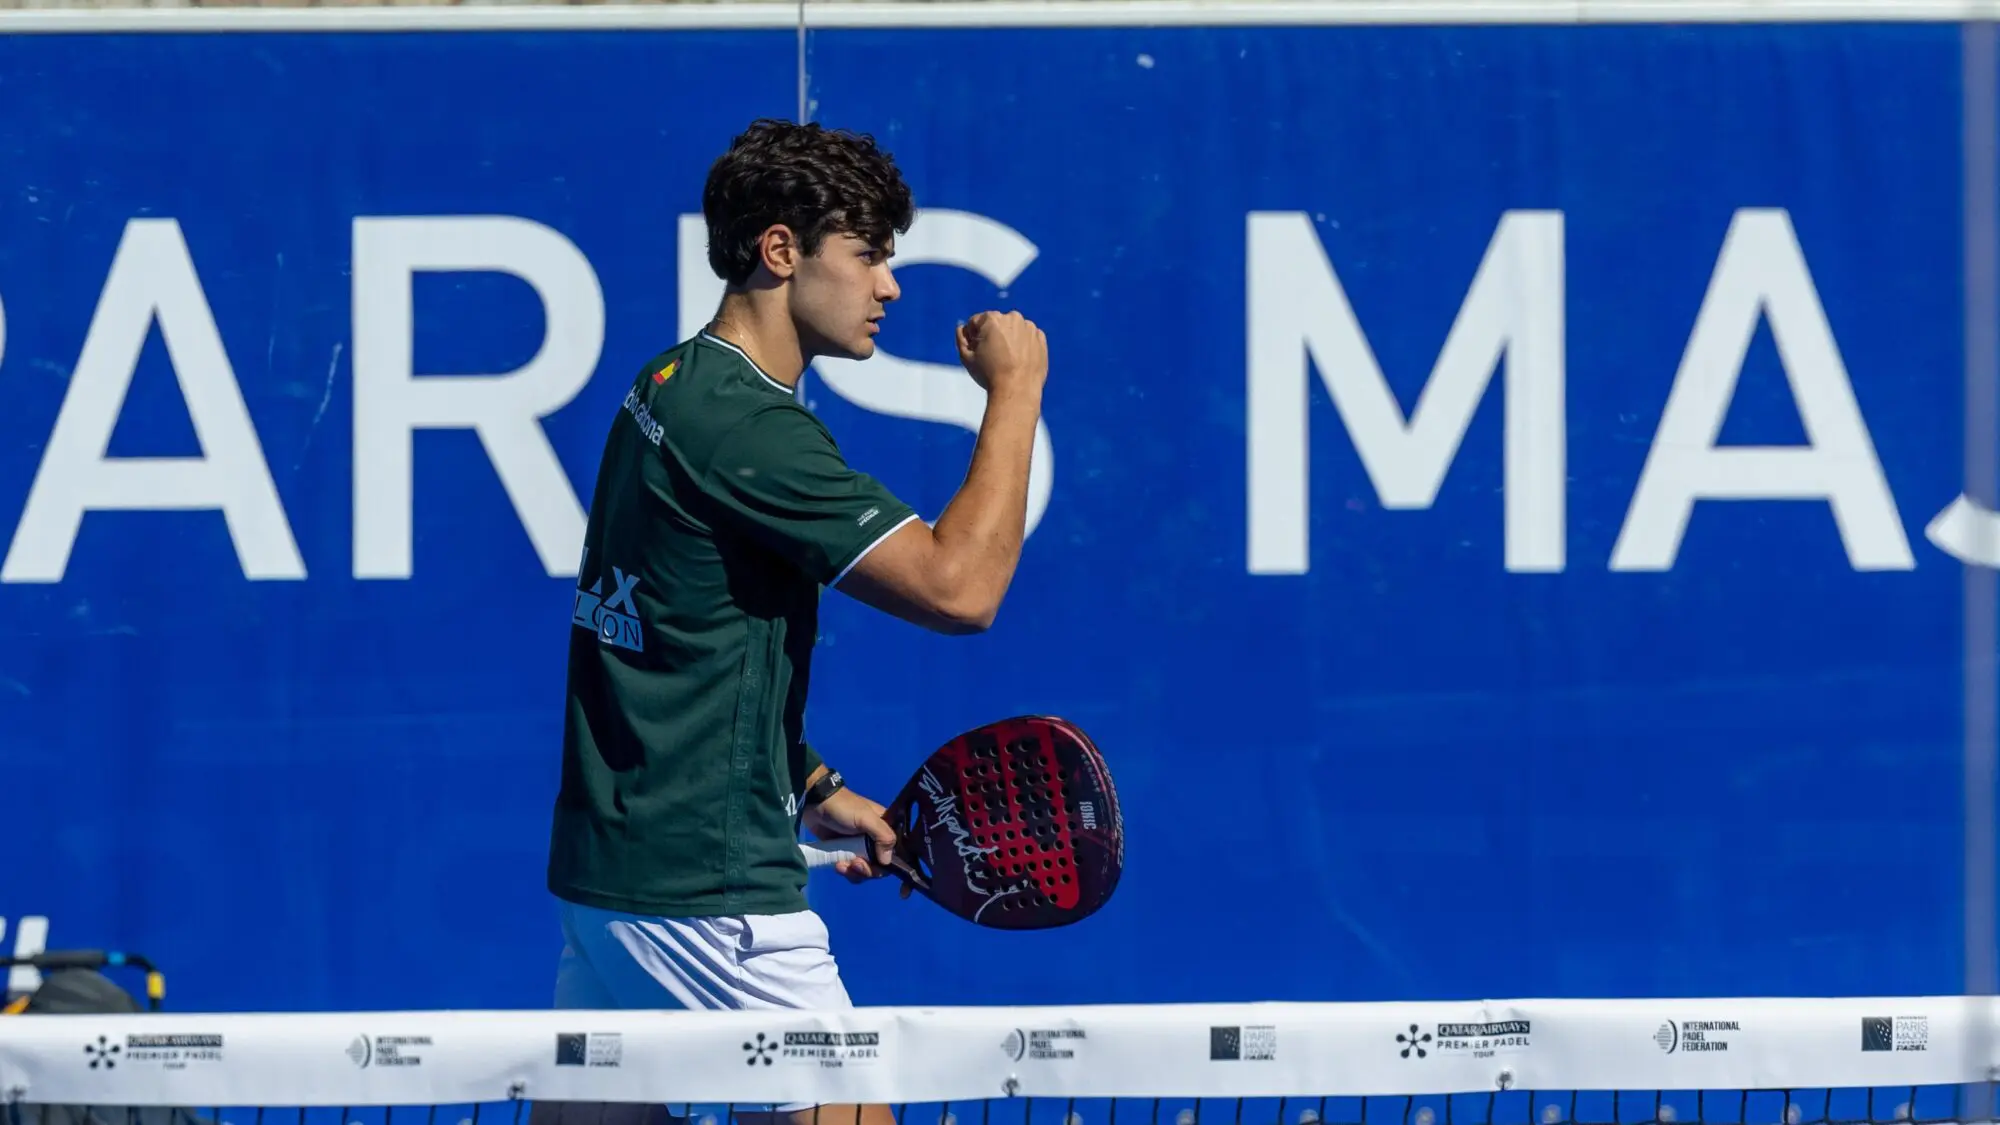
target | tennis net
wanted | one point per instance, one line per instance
(1547, 1062)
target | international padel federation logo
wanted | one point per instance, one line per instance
(1689, 1037)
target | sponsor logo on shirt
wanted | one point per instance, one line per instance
(643, 414)
(615, 619)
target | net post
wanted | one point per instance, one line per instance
(1981, 264)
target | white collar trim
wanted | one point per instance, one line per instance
(714, 339)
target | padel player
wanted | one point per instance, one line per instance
(722, 508)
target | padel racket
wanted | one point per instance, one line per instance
(1012, 825)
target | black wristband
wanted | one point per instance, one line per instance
(825, 787)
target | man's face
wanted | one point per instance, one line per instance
(840, 295)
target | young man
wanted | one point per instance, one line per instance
(722, 509)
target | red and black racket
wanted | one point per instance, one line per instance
(1012, 825)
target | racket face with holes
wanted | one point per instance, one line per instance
(1014, 825)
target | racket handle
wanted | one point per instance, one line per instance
(826, 853)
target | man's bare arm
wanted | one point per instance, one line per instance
(952, 577)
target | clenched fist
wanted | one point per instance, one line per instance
(1004, 352)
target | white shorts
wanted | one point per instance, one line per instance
(615, 960)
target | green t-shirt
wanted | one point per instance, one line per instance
(722, 508)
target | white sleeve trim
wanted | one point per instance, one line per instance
(879, 540)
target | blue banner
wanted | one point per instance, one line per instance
(1496, 509)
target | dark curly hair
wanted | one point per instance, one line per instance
(817, 181)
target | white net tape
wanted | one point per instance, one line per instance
(902, 1056)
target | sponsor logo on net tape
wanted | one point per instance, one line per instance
(164, 1051)
(590, 1049)
(1895, 1033)
(1043, 1043)
(368, 1051)
(1697, 1036)
(828, 1050)
(1464, 1040)
(1243, 1044)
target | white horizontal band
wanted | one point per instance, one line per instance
(782, 14)
(906, 1055)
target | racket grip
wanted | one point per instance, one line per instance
(826, 853)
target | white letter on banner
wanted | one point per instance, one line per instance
(391, 402)
(30, 940)
(152, 276)
(1762, 270)
(1967, 531)
(700, 290)
(1299, 317)
(887, 384)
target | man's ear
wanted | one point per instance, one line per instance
(778, 250)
